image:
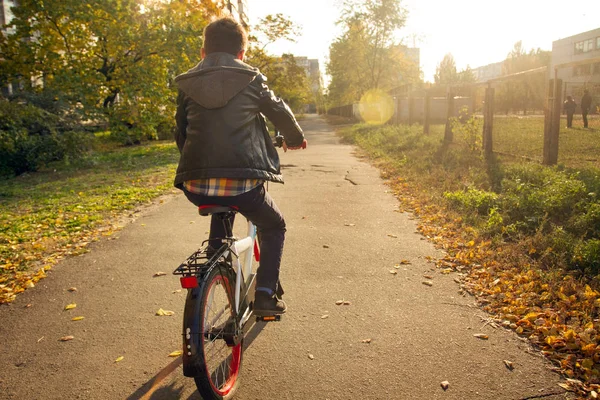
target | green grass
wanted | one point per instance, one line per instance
(524, 137)
(58, 210)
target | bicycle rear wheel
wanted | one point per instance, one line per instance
(221, 363)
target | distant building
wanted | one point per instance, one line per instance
(6, 14)
(576, 50)
(487, 72)
(313, 71)
(239, 10)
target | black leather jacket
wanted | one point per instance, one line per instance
(221, 131)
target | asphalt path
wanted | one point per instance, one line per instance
(397, 339)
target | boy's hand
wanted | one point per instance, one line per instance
(302, 146)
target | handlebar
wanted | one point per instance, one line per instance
(278, 140)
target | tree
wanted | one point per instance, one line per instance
(367, 55)
(527, 91)
(105, 60)
(445, 72)
(285, 76)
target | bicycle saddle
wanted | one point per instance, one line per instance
(215, 209)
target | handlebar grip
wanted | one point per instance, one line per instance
(278, 142)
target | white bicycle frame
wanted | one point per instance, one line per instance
(243, 247)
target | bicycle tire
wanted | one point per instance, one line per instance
(218, 376)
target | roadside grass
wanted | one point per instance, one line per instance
(58, 211)
(525, 238)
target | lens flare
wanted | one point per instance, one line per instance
(376, 107)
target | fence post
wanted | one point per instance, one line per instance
(448, 137)
(488, 122)
(426, 111)
(552, 122)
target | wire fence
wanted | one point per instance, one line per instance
(523, 115)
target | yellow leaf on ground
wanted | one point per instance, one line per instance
(66, 338)
(176, 353)
(120, 358)
(77, 318)
(70, 306)
(163, 313)
(481, 336)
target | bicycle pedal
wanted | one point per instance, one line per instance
(268, 318)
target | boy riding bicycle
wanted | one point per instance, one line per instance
(226, 152)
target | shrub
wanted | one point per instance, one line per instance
(587, 256)
(473, 200)
(468, 128)
(31, 138)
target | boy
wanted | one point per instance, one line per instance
(226, 151)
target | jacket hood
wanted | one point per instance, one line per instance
(216, 80)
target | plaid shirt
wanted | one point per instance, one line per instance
(221, 186)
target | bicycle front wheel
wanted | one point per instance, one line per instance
(221, 363)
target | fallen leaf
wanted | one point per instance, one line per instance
(70, 306)
(393, 272)
(28, 305)
(163, 313)
(72, 289)
(325, 246)
(176, 353)
(392, 235)
(325, 316)
(427, 276)
(66, 338)
(427, 283)
(120, 358)
(481, 336)
(445, 385)
(77, 318)
(160, 273)
(346, 303)
(404, 262)
(339, 302)
(509, 364)
(396, 265)
(349, 224)
(311, 356)
(366, 341)
(177, 291)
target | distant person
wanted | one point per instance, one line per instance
(586, 104)
(569, 107)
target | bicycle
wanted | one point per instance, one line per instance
(218, 309)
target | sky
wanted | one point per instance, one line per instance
(475, 32)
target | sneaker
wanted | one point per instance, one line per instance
(266, 305)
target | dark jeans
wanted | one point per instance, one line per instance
(258, 207)
(584, 114)
(569, 119)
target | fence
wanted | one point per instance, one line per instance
(523, 114)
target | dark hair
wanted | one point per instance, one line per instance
(225, 35)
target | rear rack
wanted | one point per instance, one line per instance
(199, 261)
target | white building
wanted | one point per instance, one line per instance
(487, 72)
(576, 58)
